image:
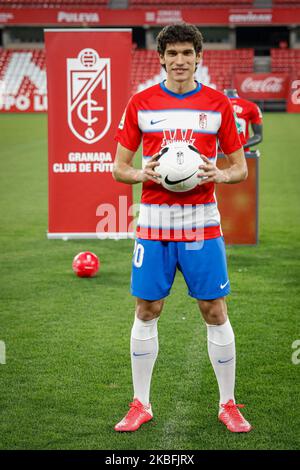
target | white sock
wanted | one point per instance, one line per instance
(221, 351)
(144, 350)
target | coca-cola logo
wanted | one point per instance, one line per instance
(266, 85)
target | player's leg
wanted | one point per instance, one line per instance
(221, 345)
(144, 350)
(222, 355)
(144, 346)
(153, 272)
(205, 272)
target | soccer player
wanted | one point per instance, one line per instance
(247, 113)
(180, 230)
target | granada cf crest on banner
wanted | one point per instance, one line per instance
(88, 81)
(89, 95)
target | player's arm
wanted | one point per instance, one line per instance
(257, 136)
(236, 172)
(124, 172)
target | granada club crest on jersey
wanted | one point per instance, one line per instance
(89, 96)
(203, 120)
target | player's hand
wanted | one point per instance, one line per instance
(148, 173)
(209, 172)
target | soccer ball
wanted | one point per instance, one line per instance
(178, 166)
(86, 264)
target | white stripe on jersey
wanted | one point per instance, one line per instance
(158, 120)
(178, 217)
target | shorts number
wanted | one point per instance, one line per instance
(138, 255)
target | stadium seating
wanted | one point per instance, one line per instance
(286, 60)
(220, 65)
(23, 71)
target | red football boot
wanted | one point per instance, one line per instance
(233, 419)
(136, 416)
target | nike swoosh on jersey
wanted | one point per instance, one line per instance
(152, 122)
(224, 285)
(167, 181)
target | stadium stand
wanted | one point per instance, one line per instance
(285, 60)
(223, 64)
(218, 65)
(23, 72)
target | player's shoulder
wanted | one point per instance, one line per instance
(146, 93)
(246, 103)
(252, 108)
(215, 95)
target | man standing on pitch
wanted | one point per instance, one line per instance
(180, 109)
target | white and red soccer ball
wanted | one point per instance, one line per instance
(86, 264)
(179, 166)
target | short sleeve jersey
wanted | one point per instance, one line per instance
(247, 113)
(157, 117)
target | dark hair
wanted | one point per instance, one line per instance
(179, 32)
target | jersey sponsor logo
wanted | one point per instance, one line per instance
(178, 181)
(89, 96)
(153, 122)
(178, 135)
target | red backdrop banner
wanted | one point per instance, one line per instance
(88, 79)
(262, 86)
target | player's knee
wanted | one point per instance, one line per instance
(214, 311)
(146, 310)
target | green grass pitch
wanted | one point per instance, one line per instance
(67, 377)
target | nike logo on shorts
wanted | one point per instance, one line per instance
(224, 285)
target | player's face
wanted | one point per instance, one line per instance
(180, 60)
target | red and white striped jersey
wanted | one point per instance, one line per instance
(156, 117)
(247, 113)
